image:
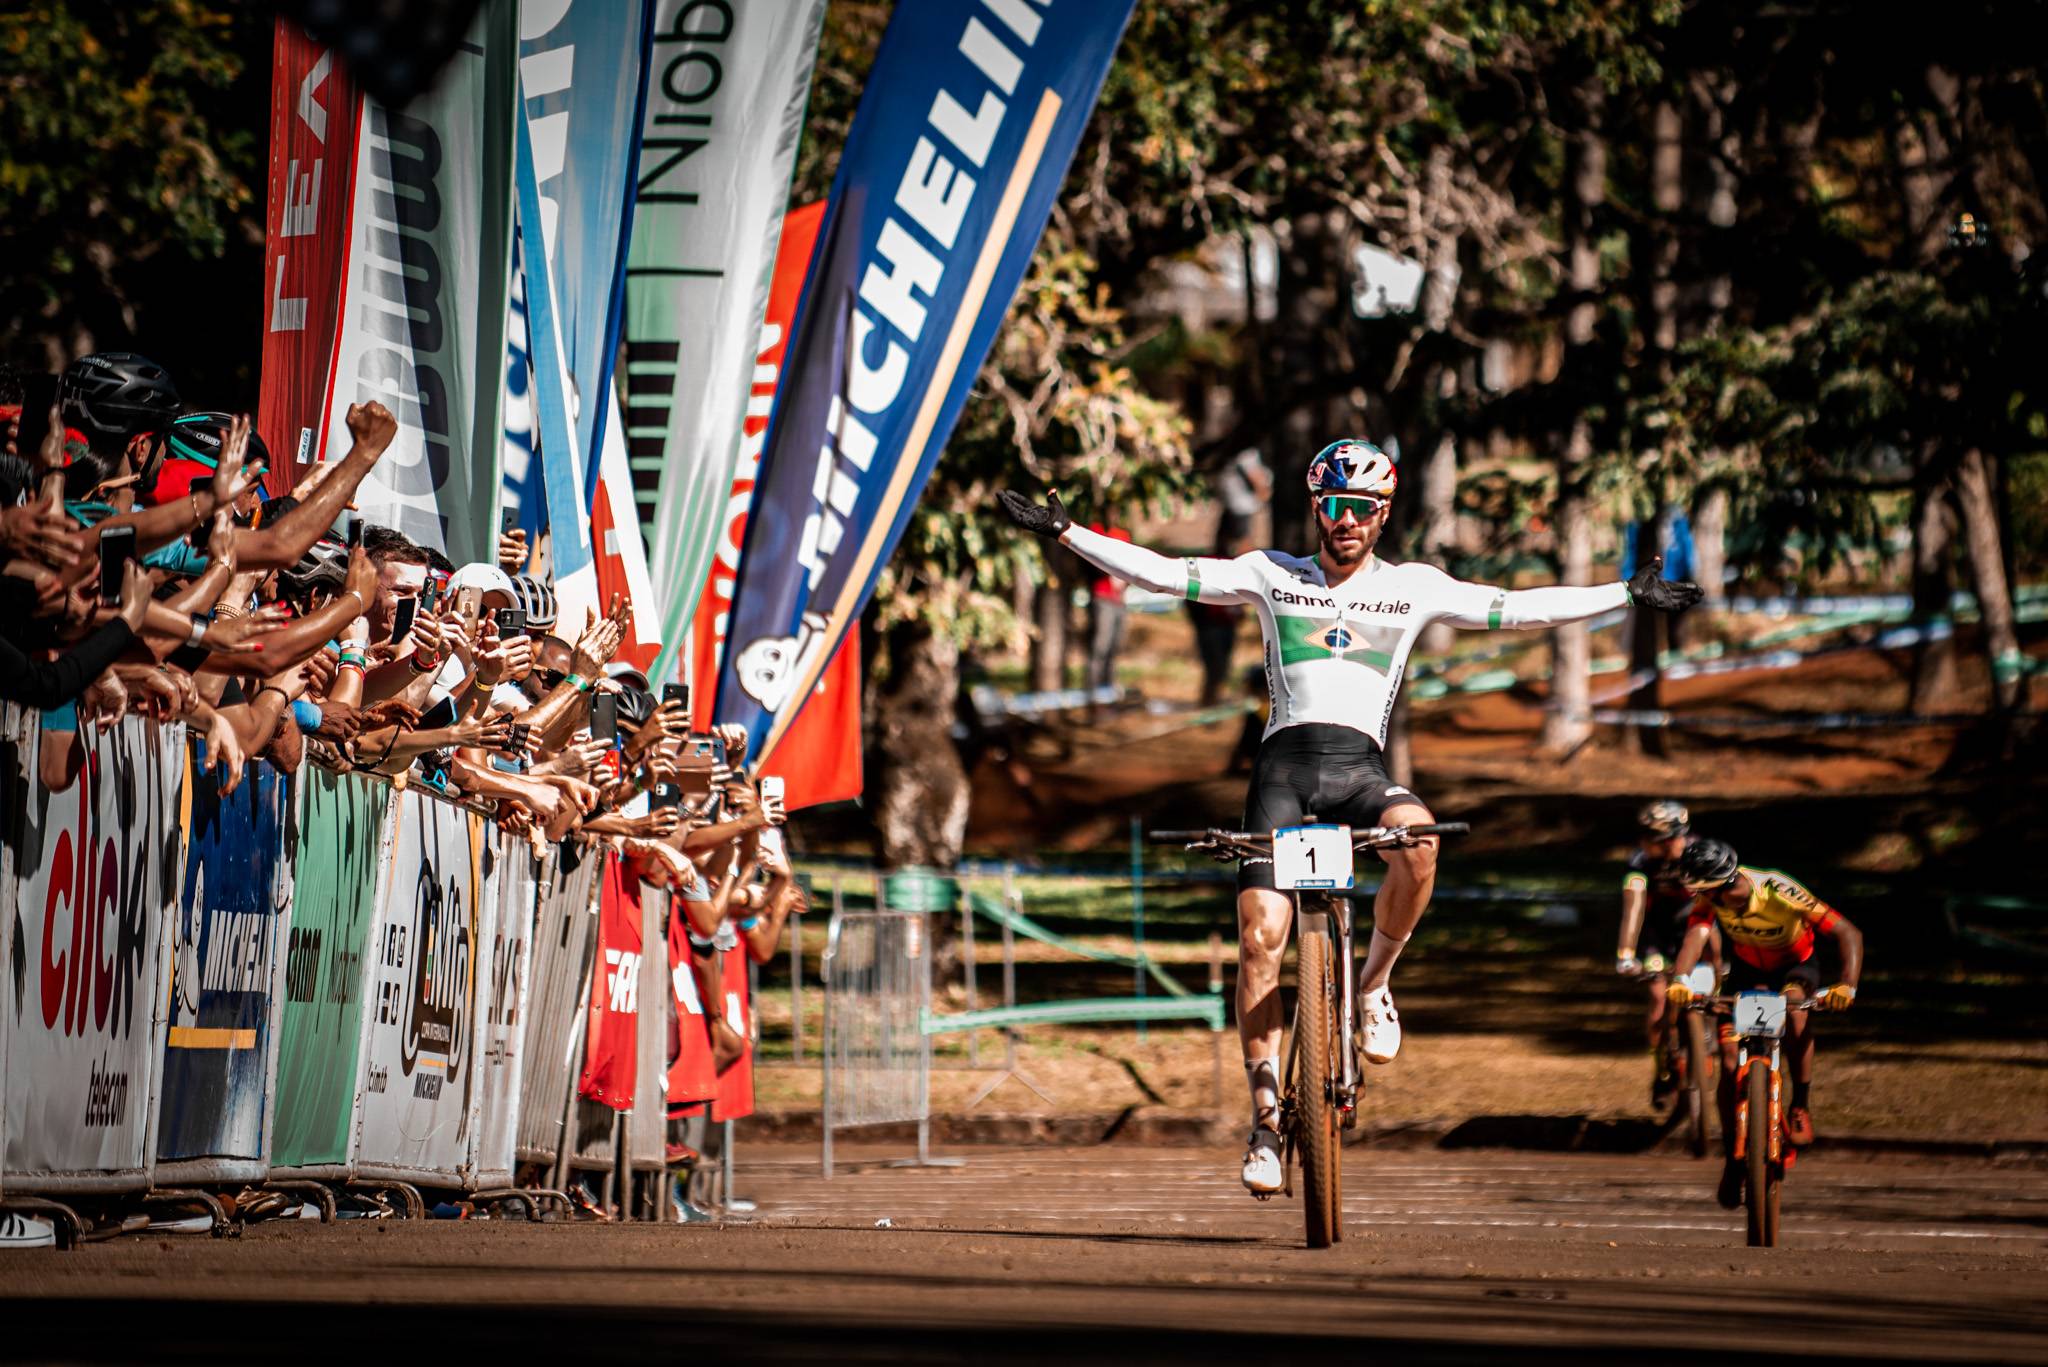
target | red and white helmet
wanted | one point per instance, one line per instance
(1352, 466)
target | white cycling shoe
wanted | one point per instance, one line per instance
(1380, 1025)
(1262, 1173)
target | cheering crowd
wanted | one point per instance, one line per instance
(147, 572)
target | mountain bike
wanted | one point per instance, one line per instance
(1759, 1024)
(1319, 1089)
(1685, 1046)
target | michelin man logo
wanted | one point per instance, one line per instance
(768, 668)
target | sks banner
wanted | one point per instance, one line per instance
(439, 910)
(343, 834)
(727, 81)
(100, 868)
(956, 154)
(314, 111)
(611, 1051)
(819, 761)
(228, 946)
(429, 273)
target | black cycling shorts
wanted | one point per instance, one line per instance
(1744, 976)
(1315, 772)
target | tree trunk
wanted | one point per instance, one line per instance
(1566, 728)
(921, 791)
(1934, 530)
(1308, 343)
(1976, 499)
(1437, 518)
(1710, 541)
(1049, 620)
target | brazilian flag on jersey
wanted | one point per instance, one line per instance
(1303, 639)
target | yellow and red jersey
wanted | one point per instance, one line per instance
(1776, 926)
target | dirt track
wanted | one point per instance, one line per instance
(1115, 1252)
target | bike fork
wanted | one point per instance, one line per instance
(1347, 1008)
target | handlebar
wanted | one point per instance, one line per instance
(1236, 844)
(1726, 1002)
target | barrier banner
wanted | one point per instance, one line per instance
(227, 974)
(100, 866)
(314, 114)
(968, 119)
(17, 762)
(420, 1089)
(820, 759)
(563, 936)
(611, 1051)
(647, 1122)
(343, 839)
(423, 319)
(504, 1011)
(692, 1071)
(734, 1099)
(727, 82)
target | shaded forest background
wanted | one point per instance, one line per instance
(1710, 258)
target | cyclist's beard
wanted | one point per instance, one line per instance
(1350, 552)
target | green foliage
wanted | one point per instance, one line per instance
(115, 157)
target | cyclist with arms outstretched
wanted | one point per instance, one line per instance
(1338, 628)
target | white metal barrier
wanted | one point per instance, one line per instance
(877, 1058)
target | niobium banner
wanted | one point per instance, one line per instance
(957, 151)
(727, 85)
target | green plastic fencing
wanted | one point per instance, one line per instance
(1088, 1010)
(994, 909)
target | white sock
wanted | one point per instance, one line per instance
(1379, 960)
(1263, 1077)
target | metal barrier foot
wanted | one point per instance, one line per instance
(415, 1204)
(514, 1195)
(72, 1227)
(224, 1227)
(318, 1193)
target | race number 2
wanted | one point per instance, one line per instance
(1312, 857)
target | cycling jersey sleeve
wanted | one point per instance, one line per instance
(1199, 579)
(1489, 608)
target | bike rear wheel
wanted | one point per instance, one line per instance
(1315, 1061)
(1757, 1144)
(1695, 1099)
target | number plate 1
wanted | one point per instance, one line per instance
(1760, 1014)
(1312, 857)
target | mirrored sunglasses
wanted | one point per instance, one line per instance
(1362, 507)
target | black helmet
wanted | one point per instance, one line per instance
(113, 395)
(1706, 865)
(322, 569)
(1664, 819)
(200, 437)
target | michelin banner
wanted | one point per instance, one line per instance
(424, 314)
(726, 89)
(956, 155)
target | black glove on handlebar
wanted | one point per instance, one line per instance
(1050, 520)
(1649, 588)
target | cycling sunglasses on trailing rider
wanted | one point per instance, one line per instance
(1362, 507)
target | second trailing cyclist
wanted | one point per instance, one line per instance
(1338, 627)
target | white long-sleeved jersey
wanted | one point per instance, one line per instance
(1336, 655)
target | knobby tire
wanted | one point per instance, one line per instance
(1316, 1072)
(1696, 1105)
(1757, 1143)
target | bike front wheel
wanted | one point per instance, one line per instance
(1315, 1111)
(1757, 1143)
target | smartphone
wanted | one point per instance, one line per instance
(511, 622)
(401, 621)
(771, 789)
(604, 717)
(515, 739)
(665, 794)
(355, 531)
(508, 521)
(711, 746)
(38, 393)
(117, 548)
(678, 694)
(430, 593)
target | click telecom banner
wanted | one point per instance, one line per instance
(956, 154)
(313, 114)
(726, 88)
(423, 322)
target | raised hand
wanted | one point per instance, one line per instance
(372, 426)
(1649, 588)
(235, 475)
(1048, 520)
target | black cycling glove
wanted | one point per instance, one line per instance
(1649, 588)
(1050, 520)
